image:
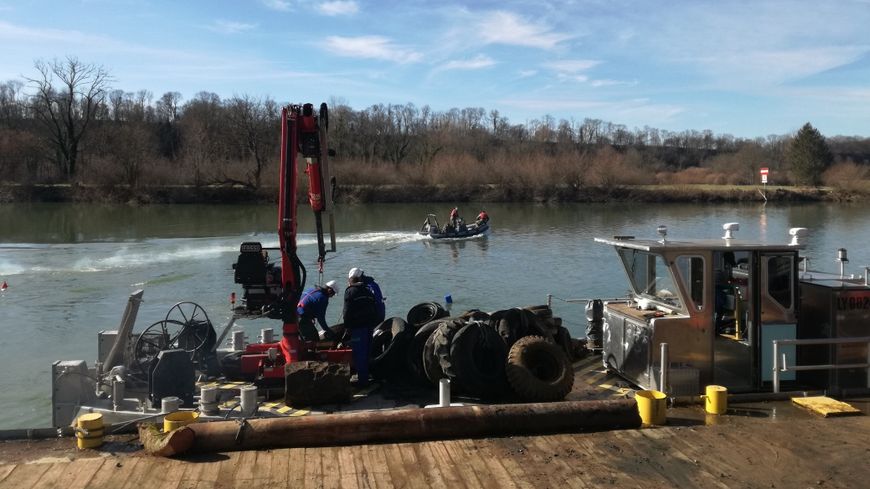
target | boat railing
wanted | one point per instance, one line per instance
(551, 297)
(780, 365)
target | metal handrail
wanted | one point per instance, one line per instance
(817, 341)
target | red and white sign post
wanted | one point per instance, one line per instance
(764, 172)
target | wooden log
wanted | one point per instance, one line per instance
(415, 425)
(163, 444)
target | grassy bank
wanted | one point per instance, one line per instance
(215, 194)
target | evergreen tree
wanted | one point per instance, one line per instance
(809, 156)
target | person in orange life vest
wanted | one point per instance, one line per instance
(482, 218)
(453, 221)
(311, 307)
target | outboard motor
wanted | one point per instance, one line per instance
(260, 279)
(595, 322)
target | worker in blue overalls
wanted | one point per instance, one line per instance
(311, 308)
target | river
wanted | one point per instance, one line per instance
(70, 268)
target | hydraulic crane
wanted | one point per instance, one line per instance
(276, 291)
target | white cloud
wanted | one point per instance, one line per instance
(371, 47)
(230, 27)
(478, 62)
(280, 5)
(508, 28)
(338, 7)
(780, 65)
(634, 111)
(527, 73)
(571, 65)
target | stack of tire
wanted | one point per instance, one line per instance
(523, 351)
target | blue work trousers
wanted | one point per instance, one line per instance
(360, 343)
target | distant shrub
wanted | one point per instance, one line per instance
(847, 176)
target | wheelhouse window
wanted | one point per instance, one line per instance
(691, 270)
(779, 280)
(650, 277)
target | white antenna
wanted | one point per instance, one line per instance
(663, 232)
(729, 228)
(796, 235)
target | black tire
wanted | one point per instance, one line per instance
(475, 314)
(511, 325)
(563, 339)
(436, 354)
(478, 357)
(426, 312)
(414, 352)
(389, 347)
(542, 311)
(538, 370)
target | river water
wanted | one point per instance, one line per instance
(70, 268)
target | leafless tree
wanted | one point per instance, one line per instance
(255, 123)
(68, 95)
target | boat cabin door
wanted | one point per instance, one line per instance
(754, 305)
(733, 320)
(777, 305)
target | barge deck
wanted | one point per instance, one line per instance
(755, 445)
(752, 451)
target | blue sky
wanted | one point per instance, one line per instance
(748, 68)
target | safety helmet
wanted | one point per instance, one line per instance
(330, 285)
(354, 273)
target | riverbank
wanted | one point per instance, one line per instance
(225, 194)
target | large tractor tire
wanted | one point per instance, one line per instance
(538, 370)
(511, 325)
(436, 354)
(478, 356)
(389, 348)
(425, 312)
(415, 352)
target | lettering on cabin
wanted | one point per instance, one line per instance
(853, 302)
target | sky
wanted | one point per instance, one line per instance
(746, 68)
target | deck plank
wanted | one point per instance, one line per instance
(564, 460)
(5, 470)
(25, 475)
(331, 468)
(293, 460)
(607, 466)
(428, 467)
(508, 453)
(116, 470)
(313, 467)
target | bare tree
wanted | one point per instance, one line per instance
(68, 95)
(255, 123)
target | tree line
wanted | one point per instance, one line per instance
(66, 124)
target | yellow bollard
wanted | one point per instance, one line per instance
(178, 419)
(716, 399)
(89, 430)
(652, 406)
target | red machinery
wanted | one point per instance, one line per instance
(302, 134)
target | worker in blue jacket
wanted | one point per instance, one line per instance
(376, 291)
(361, 316)
(312, 306)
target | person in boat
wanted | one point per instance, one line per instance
(482, 218)
(312, 307)
(361, 315)
(453, 222)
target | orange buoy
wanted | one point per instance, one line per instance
(4, 286)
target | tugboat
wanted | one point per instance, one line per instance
(733, 313)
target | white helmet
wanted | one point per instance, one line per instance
(330, 285)
(354, 273)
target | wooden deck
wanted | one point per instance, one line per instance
(752, 453)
